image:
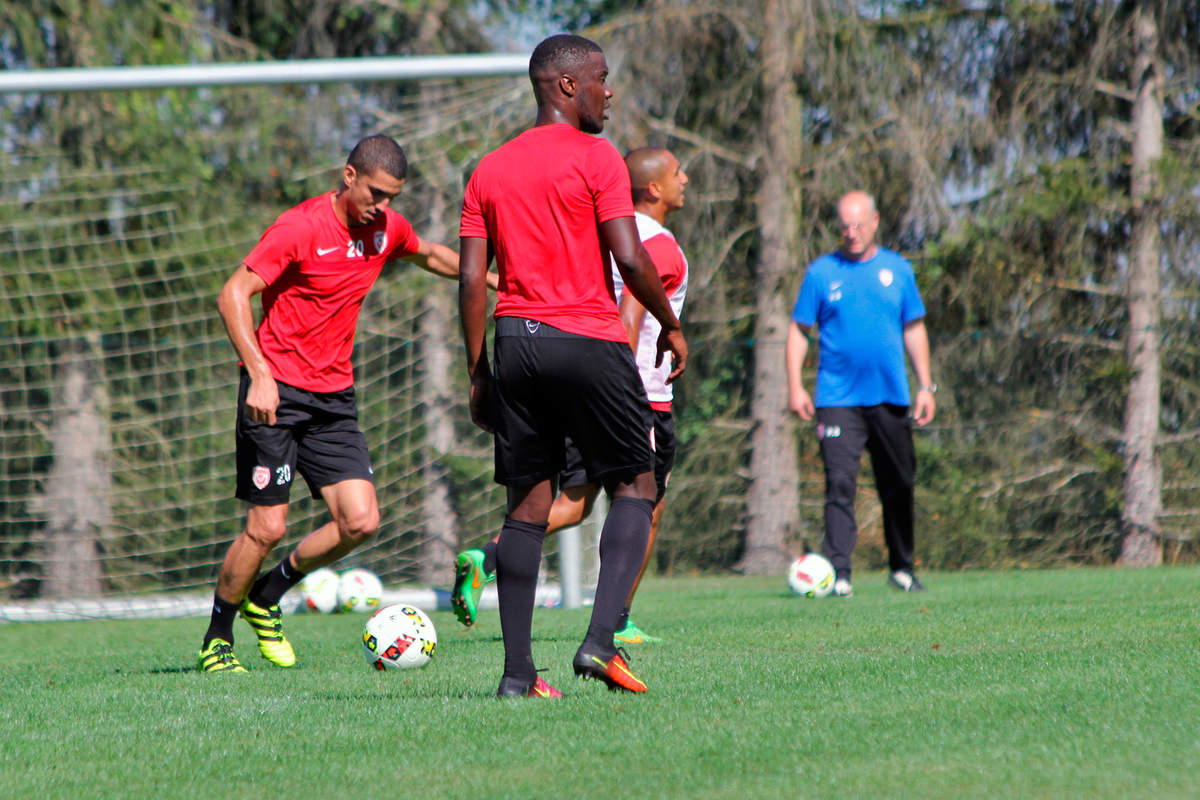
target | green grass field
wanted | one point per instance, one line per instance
(1048, 684)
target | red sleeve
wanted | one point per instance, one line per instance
(472, 223)
(609, 181)
(281, 246)
(664, 252)
(406, 240)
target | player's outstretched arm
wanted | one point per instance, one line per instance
(233, 303)
(442, 261)
(641, 278)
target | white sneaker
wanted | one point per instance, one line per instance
(842, 588)
(905, 581)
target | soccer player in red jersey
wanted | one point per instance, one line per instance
(296, 410)
(550, 205)
(658, 183)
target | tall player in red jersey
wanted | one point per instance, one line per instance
(658, 190)
(296, 409)
(550, 205)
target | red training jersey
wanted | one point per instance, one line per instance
(672, 269)
(539, 201)
(317, 272)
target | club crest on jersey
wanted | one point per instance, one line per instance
(260, 477)
(380, 241)
(885, 277)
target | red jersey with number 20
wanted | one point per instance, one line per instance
(317, 272)
(539, 200)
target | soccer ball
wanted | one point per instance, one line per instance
(399, 637)
(359, 590)
(319, 591)
(811, 575)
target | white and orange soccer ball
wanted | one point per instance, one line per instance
(399, 637)
(811, 575)
(359, 590)
(319, 591)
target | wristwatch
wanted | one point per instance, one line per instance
(931, 388)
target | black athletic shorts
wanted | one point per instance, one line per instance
(315, 433)
(551, 384)
(573, 474)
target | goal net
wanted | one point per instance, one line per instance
(121, 215)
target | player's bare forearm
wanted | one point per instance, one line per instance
(916, 342)
(632, 313)
(795, 351)
(472, 299)
(233, 303)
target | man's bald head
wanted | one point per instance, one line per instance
(657, 180)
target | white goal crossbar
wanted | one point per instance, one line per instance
(319, 70)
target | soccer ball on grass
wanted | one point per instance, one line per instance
(399, 637)
(359, 590)
(811, 575)
(319, 591)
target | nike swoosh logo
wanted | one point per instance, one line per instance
(326, 251)
(475, 584)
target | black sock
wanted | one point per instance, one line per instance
(623, 619)
(622, 550)
(489, 557)
(518, 557)
(220, 626)
(272, 586)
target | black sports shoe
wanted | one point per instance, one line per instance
(517, 687)
(905, 581)
(613, 669)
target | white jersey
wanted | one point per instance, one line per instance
(672, 269)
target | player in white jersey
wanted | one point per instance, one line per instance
(658, 182)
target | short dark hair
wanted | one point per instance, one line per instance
(561, 53)
(379, 152)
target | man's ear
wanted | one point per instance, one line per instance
(349, 173)
(654, 189)
(566, 85)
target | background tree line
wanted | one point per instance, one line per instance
(1011, 148)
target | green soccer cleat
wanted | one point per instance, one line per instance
(218, 657)
(632, 634)
(469, 579)
(268, 626)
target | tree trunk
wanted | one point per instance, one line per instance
(772, 510)
(78, 487)
(1141, 545)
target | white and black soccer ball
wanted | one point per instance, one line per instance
(811, 575)
(399, 637)
(319, 591)
(359, 590)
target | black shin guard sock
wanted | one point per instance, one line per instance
(489, 557)
(622, 549)
(518, 557)
(271, 587)
(622, 619)
(220, 626)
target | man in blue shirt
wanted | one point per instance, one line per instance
(863, 300)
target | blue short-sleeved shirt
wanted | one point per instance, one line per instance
(860, 309)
